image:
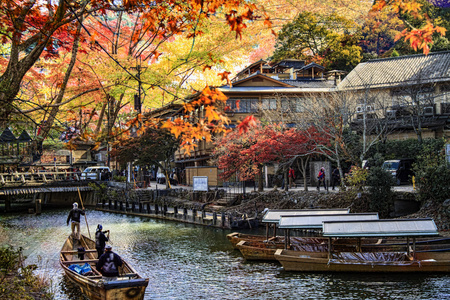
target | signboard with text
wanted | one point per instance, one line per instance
(200, 183)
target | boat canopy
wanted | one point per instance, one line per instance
(273, 215)
(316, 221)
(381, 228)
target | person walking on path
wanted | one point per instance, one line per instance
(335, 178)
(321, 179)
(74, 215)
(100, 240)
(291, 176)
(109, 263)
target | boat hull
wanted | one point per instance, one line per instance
(236, 237)
(128, 286)
(304, 262)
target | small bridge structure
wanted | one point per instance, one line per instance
(50, 188)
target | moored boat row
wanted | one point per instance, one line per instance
(373, 261)
(359, 243)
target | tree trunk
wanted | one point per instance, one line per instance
(260, 179)
(45, 129)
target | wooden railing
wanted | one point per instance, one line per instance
(38, 177)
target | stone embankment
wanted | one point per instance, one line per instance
(252, 205)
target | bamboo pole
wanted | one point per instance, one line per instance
(85, 218)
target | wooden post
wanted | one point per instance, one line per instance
(329, 248)
(285, 239)
(214, 218)
(194, 214)
(148, 208)
(267, 231)
(175, 211)
(407, 246)
(223, 219)
(289, 238)
(38, 203)
(156, 209)
(185, 213)
(8, 204)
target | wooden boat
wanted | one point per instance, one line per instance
(256, 249)
(360, 261)
(263, 250)
(237, 237)
(129, 285)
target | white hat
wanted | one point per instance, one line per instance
(75, 205)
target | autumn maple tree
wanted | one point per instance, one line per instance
(244, 153)
(35, 31)
(420, 38)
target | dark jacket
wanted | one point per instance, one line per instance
(109, 263)
(100, 239)
(74, 215)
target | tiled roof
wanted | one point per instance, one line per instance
(310, 83)
(399, 71)
(7, 136)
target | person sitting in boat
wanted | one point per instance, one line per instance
(100, 240)
(109, 263)
(74, 215)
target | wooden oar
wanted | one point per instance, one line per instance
(82, 206)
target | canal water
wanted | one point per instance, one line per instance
(193, 262)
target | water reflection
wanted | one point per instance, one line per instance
(192, 262)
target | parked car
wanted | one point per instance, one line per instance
(400, 169)
(94, 173)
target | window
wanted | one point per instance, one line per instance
(298, 105)
(269, 104)
(445, 108)
(285, 105)
(292, 105)
(425, 98)
(401, 100)
(246, 105)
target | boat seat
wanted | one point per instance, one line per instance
(69, 262)
(76, 251)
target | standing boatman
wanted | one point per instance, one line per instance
(100, 240)
(74, 215)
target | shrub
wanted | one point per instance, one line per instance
(119, 178)
(354, 183)
(381, 196)
(17, 281)
(432, 176)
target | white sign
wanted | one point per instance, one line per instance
(200, 183)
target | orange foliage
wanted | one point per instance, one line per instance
(247, 123)
(208, 122)
(419, 38)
